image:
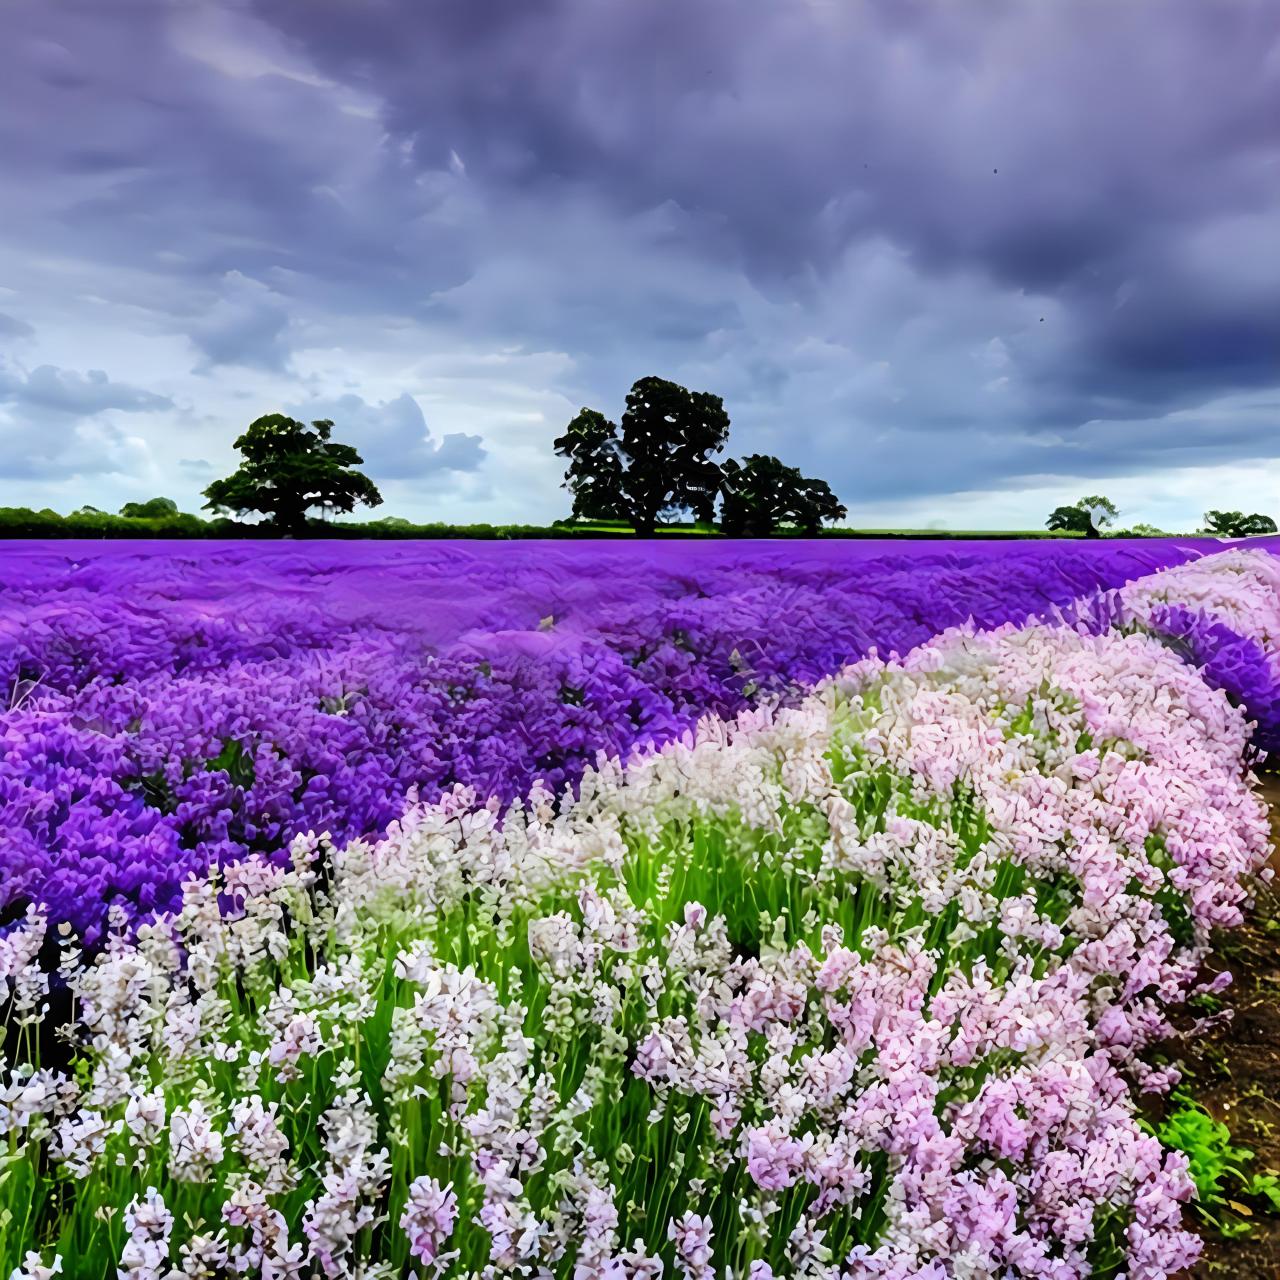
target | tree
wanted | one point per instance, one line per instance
(1068, 520)
(289, 468)
(655, 462)
(1088, 516)
(1232, 524)
(667, 434)
(152, 509)
(594, 474)
(760, 494)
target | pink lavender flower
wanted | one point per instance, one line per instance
(692, 1236)
(429, 1217)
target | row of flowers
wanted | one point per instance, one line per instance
(859, 987)
(168, 712)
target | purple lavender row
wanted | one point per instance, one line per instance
(170, 708)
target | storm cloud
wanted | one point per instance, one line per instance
(927, 251)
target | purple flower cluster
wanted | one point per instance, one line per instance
(170, 708)
(1239, 665)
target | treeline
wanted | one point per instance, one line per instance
(1092, 517)
(23, 522)
(652, 469)
(652, 473)
(88, 522)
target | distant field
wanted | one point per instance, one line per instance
(615, 529)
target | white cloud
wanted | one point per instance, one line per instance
(393, 437)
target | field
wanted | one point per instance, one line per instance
(835, 908)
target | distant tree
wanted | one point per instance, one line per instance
(1141, 530)
(289, 468)
(1232, 524)
(1068, 519)
(1102, 512)
(760, 494)
(1088, 516)
(655, 462)
(152, 509)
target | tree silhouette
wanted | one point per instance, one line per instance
(655, 462)
(667, 435)
(1232, 524)
(1088, 516)
(289, 468)
(594, 474)
(760, 494)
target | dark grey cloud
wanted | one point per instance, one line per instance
(393, 437)
(1060, 149)
(916, 247)
(204, 184)
(1038, 140)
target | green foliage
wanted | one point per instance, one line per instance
(23, 522)
(289, 468)
(1090, 515)
(1103, 510)
(656, 461)
(152, 509)
(1233, 524)
(760, 494)
(668, 434)
(594, 474)
(1218, 1167)
(1068, 520)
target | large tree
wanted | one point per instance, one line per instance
(288, 468)
(760, 494)
(1233, 524)
(656, 461)
(1088, 516)
(668, 434)
(594, 474)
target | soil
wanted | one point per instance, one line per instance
(1237, 1072)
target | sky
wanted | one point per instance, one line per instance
(964, 261)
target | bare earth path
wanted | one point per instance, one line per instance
(1238, 1072)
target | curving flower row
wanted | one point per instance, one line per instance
(859, 987)
(170, 710)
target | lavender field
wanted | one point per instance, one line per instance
(781, 908)
(172, 708)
